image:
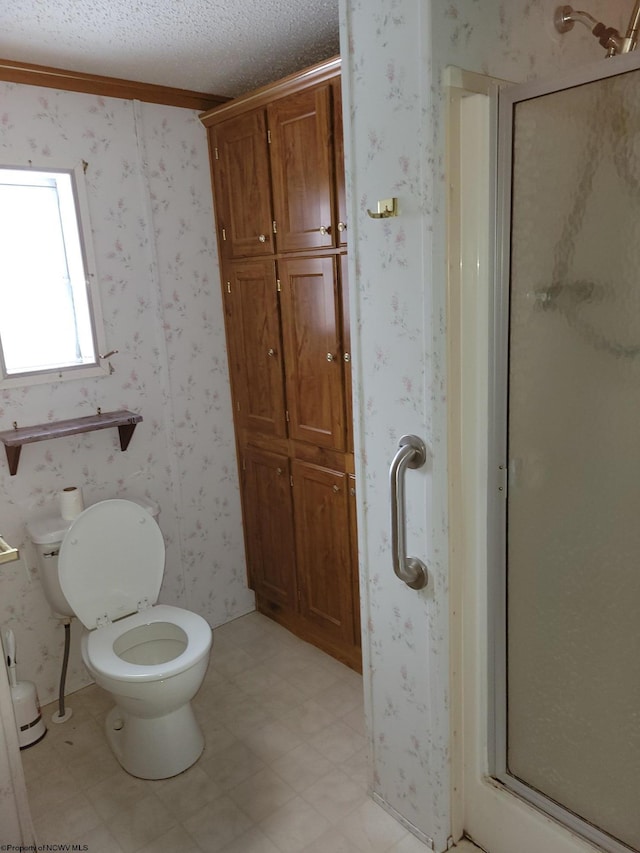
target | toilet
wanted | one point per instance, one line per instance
(106, 568)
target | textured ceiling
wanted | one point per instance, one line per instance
(223, 48)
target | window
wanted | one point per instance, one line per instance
(50, 322)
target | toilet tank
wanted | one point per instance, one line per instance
(47, 535)
(146, 503)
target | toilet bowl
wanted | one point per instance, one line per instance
(150, 657)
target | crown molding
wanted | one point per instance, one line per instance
(108, 87)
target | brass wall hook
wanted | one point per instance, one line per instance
(387, 207)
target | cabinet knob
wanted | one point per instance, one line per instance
(342, 226)
(330, 356)
(279, 471)
(271, 352)
(347, 357)
(262, 238)
(336, 489)
(324, 229)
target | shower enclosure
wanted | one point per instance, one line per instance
(565, 501)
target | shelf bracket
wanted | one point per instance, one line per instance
(13, 457)
(126, 433)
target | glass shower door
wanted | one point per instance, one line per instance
(570, 664)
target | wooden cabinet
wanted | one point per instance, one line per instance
(353, 540)
(278, 177)
(250, 292)
(266, 480)
(338, 147)
(323, 549)
(311, 324)
(241, 178)
(346, 349)
(302, 169)
(278, 173)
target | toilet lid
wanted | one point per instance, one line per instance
(111, 559)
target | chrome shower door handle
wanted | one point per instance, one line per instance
(412, 453)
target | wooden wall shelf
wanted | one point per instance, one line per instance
(13, 439)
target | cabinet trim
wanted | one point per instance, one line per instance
(319, 73)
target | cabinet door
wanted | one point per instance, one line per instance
(302, 169)
(346, 355)
(341, 193)
(353, 533)
(321, 503)
(313, 352)
(268, 519)
(240, 164)
(255, 346)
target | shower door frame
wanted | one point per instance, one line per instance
(498, 463)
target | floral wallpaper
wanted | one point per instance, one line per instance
(386, 80)
(151, 215)
(394, 53)
(150, 208)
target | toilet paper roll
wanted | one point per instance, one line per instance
(71, 503)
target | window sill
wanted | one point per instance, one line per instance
(53, 376)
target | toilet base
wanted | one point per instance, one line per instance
(155, 748)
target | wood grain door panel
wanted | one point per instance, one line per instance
(321, 503)
(346, 355)
(313, 351)
(355, 578)
(341, 192)
(302, 169)
(255, 328)
(242, 182)
(269, 524)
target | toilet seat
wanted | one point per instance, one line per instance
(103, 658)
(111, 562)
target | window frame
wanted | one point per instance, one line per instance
(83, 221)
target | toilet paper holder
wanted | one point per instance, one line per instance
(7, 552)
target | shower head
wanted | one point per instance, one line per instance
(566, 16)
